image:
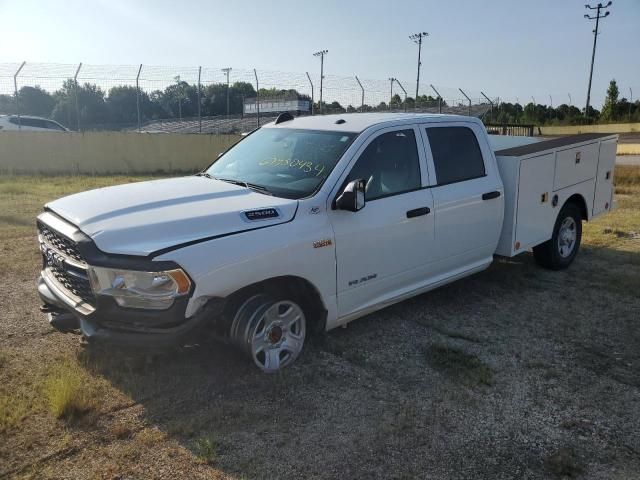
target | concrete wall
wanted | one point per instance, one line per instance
(628, 149)
(108, 152)
(606, 128)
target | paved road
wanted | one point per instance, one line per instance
(628, 160)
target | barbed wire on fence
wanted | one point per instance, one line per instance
(213, 99)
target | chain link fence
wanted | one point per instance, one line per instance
(207, 99)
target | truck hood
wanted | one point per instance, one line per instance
(143, 218)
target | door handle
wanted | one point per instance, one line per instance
(417, 212)
(490, 195)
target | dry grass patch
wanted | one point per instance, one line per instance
(620, 228)
(627, 175)
(70, 391)
(13, 410)
(119, 430)
(150, 436)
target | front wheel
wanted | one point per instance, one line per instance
(271, 331)
(559, 252)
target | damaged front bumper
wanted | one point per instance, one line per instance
(109, 324)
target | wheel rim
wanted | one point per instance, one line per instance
(278, 337)
(272, 333)
(567, 237)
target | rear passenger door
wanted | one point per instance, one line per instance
(467, 196)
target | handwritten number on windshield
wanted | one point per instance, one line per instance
(304, 165)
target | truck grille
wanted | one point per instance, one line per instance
(60, 243)
(76, 281)
(65, 263)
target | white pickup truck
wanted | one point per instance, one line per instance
(309, 223)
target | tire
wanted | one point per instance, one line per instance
(270, 330)
(560, 251)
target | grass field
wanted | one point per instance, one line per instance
(516, 372)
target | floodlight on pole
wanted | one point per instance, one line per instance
(321, 54)
(417, 38)
(597, 18)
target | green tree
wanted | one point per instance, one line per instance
(7, 104)
(35, 101)
(91, 106)
(610, 107)
(396, 102)
(123, 107)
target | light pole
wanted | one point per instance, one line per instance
(595, 39)
(226, 72)
(321, 54)
(570, 102)
(417, 38)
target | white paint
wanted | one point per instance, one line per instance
(397, 257)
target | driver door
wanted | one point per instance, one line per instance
(382, 250)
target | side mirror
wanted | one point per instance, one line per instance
(352, 197)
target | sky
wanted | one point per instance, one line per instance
(509, 49)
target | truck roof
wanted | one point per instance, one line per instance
(357, 122)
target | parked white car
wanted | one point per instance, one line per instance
(309, 223)
(29, 123)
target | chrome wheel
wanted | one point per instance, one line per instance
(271, 332)
(567, 236)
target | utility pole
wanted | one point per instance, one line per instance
(417, 38)
(597, 18)
(550, 101)
(226, 72)
(630, 102)
(570, 102)
(321, 54)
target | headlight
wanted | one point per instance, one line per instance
(135, 289)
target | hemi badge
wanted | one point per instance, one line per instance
(262, 214)
(322, 243)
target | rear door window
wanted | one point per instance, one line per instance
(456, 154)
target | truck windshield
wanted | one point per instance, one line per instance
(291, 163)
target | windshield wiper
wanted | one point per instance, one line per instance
(251, 186)
(203, 174)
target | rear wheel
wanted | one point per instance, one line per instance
(559, 252)
(270, 330)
